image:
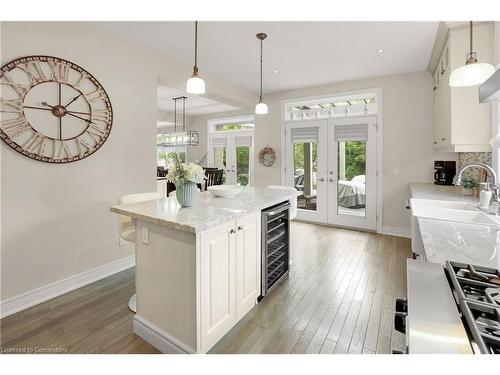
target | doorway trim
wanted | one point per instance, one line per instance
(211, 123)
(377, 94)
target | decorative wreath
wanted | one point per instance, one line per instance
(267, 156)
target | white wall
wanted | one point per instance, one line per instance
(408, 132)
(55, 218)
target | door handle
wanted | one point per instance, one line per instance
(322, 179)
(240, 227)
(332, 180)
(232, 231)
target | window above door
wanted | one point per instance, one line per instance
(331, 107)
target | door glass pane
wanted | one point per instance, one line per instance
(305, 166)
(220, 160)
(242, 165)
(351, 188)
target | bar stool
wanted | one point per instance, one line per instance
(127, 228)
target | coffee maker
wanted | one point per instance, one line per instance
(444, 171)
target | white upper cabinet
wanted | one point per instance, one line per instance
(461, 123)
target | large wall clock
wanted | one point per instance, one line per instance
(52, 110)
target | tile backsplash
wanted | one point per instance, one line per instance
(465, 158)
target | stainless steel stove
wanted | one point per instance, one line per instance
(455, 309)
(477, 293)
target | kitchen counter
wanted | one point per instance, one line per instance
(440, 331)
(207, 212)
(453, 240)
(440, 192)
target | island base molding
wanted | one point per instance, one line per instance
(158, 338)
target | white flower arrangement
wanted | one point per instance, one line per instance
(180, 173)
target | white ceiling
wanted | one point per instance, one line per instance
(195, 105)
(304, 53)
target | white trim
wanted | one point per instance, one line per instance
(230, 136)
(396, 231)
(378, 100)
(158, 338)
(39, 295)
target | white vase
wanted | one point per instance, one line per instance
(186, 193)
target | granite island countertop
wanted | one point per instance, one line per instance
(452, 240)
(207, 212)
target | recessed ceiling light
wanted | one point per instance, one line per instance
(275, 71)
(380, 50)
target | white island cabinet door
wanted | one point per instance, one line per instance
(248, 264)
(217, 286)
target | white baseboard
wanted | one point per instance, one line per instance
(158, 338)
(39, 295)
(396, 231)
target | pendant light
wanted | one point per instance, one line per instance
(472, 73)
(195, 85)
(261, 108)
(183, 137)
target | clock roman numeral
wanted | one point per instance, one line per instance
(80, 80)
(34, 71)
(60, 150)
(80, 144)
(60, 72)
(15, 127)
(34, 143)
(100, 115)
(94, 132)
(94, 96)
(11, 106)
(21, 90)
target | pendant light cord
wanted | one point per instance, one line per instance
(261, 52)
(471, 37)
(195, 47)
(183, 113)
(175, 115)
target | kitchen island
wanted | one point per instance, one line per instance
(197, 268)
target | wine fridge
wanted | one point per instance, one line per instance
(275, 246)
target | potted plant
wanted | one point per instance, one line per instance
(185, 176)
(468, 185)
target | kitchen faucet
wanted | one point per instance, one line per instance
(496, 188)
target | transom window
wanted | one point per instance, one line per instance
(233, 126)
(331, 107)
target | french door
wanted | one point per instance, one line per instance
(233, 152)
(333, 163)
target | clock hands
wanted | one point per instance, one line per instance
(57, 110)
(59, 104)
(73, 100)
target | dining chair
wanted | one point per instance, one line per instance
(214, 177)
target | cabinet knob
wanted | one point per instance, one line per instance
(232, 231)
(240, 227)
(443, 139)
(435, 142)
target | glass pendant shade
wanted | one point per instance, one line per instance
(471, 74)
(261, 109)
(195, 85)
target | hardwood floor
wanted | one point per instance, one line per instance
(339, 298)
